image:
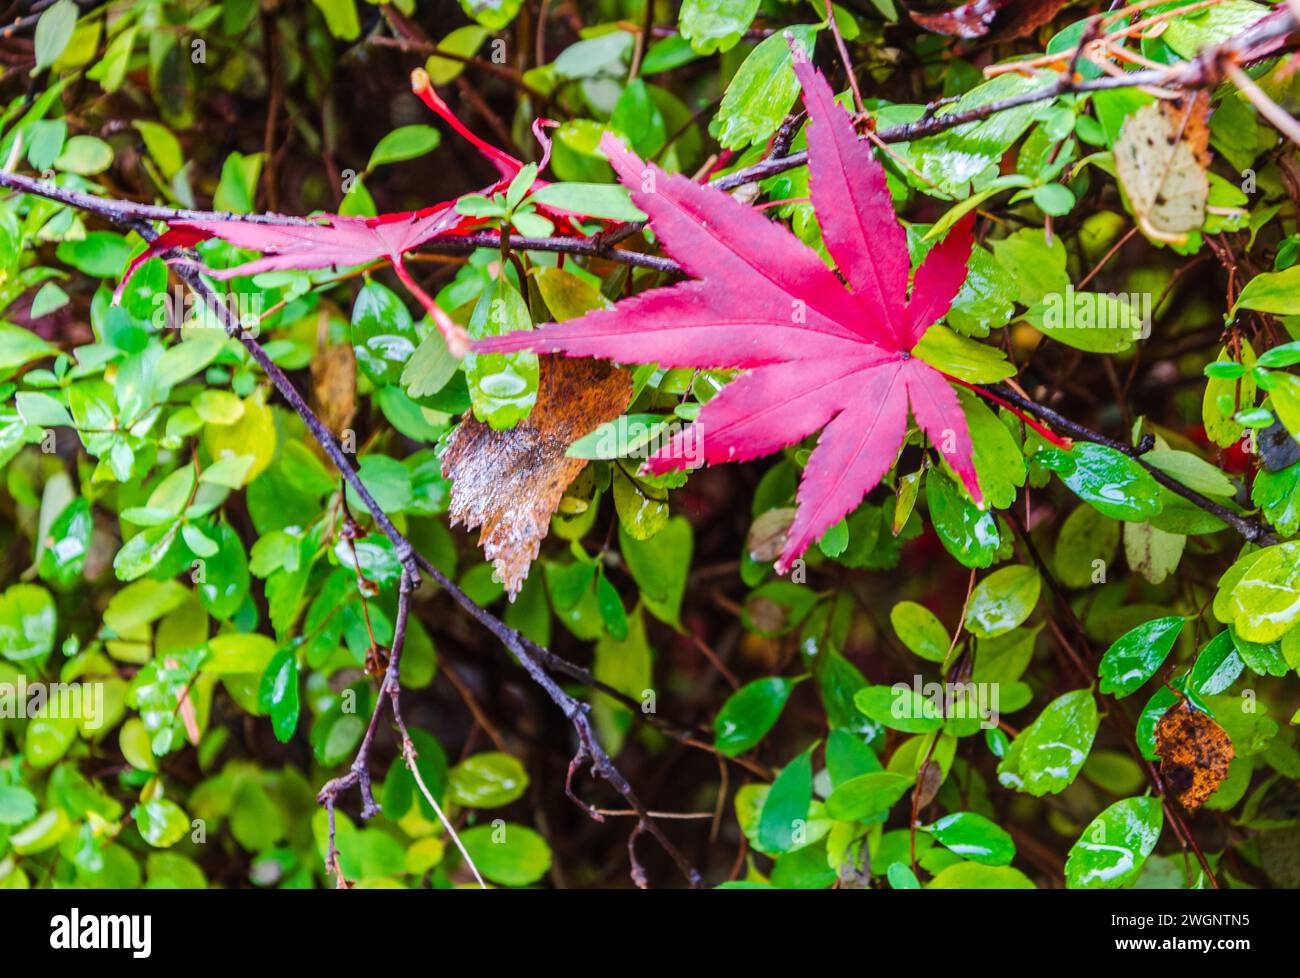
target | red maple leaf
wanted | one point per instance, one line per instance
(818, 355)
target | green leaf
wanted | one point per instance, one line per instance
(488, 780)
(1114, 847)
(28, 621)
(492, 14)
(508, 854)
(17, 805)
(235, 653)
(1277, 494)
(182, 361)
(608, 201)
(43, 833)
(404, 143)
(430, 367)
(1137, 654)
(1049, 753)
(901, 877)
(973, 837)
(387, 480)
(900, 707)
(1096, 322)
(950, 160)
(20, 346)
(920, 630)
(162, 145)
(240, 173)
(502, 386)
(1264, 603)
(100, 254)
(1220, 426)
(782, 822)
(1275, 292)
(749, 713)
(1107, 479)
(162, 823)
(464, 41)
(627, 665)
(954, 354)
(867, 796)
(715, 25)
(278, 693)
(1003, 600)
(1284, 396)
(85, 156)
(1086, 538)
(383, 335)
(1192, 471)
(762, 90)
(660, 566)
(340, 18)
(967, 532)
(67, 542)
(400, 789)
(224, 586)
(42, 410)
(999, 462)
(973, 876)
(54, 31)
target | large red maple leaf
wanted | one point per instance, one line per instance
(818, 355)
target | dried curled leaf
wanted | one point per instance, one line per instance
(1194, 753)
(1158, 162)
(1000, 19)
(510, 482)
(334, 387)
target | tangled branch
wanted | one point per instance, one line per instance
(588, 749)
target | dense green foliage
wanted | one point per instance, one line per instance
(937, 694)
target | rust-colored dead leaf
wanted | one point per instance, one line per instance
(1189, 116)
(1194, 753)
(510, 482)
(333, 386)
(1001, 20)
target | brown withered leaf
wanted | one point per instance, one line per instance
(333, 385)
(1194, 753)
(1189, 116)
(1001, 20)
(510, 482)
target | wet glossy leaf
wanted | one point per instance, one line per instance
(1113, 848)
(278, 693)
(969, 533)
(761, 92)
(1003, 600)
(1107, 479)
(749, 713)
(974, 837)
(28, 620)
(1136, 655)
(1049, 753)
